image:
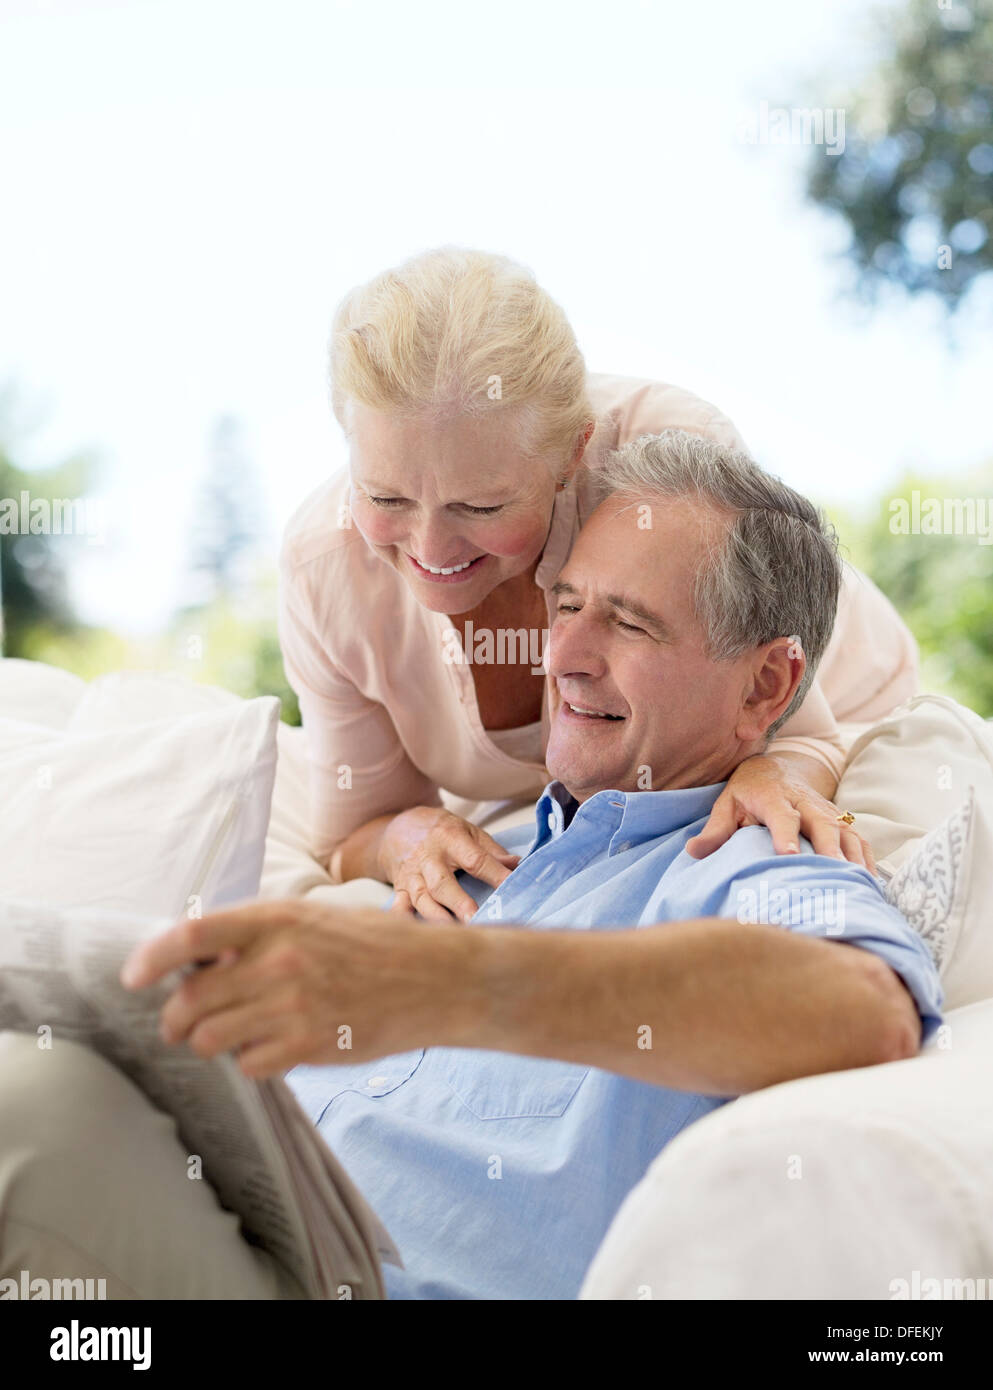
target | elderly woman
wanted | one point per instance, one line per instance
(415, 587)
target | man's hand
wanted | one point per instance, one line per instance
(730, 1008)
(296, 982)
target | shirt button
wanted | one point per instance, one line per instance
(622, 848)
(377, 1081)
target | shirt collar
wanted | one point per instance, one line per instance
(628, 818)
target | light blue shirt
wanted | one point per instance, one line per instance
(497, 1175)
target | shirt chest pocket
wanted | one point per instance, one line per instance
(316, 1087)
(503, 1086)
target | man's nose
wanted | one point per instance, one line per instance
(575, 648)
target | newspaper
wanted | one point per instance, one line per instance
(59, 970)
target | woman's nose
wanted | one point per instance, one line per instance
(432, 541)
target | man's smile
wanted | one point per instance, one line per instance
(587, 714)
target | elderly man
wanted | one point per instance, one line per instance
(510, 1080)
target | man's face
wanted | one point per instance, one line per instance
(626, 643)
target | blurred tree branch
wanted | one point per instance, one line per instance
(914, 182)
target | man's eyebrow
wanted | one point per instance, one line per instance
(621, 602)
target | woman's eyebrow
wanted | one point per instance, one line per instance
(497, 496)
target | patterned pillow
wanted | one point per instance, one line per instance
(930, 887)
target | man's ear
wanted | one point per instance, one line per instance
(775, 672)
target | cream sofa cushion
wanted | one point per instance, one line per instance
(838, 1186)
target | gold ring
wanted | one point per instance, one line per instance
(847, 817)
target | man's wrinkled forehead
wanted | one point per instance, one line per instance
(643, 558)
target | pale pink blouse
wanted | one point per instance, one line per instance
(390, 718)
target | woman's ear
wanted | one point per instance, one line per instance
(776, 671)
(582, 439)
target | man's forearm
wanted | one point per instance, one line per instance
(707, 1005)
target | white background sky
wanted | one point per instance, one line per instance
(190, 186)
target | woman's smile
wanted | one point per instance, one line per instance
(447, 574)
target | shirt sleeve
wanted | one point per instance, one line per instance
(821, 897)
(358, 767)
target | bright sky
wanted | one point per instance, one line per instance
(190, 186)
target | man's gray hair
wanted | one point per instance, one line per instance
(776, 575)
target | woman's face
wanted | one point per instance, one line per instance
(457, 494)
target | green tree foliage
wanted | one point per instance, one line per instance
(940, 580)
(33, 566)
(216, 644)
(233, 645)
(915, 180)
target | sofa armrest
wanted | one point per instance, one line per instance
(837, 1186)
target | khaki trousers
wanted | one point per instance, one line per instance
(94, 1185)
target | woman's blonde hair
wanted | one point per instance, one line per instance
(457, 331)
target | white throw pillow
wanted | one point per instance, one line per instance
(909, 772)
(920, 783)
(930, 887)
(37, 693)
(943, 890)
(140, 697)
(140, 803)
